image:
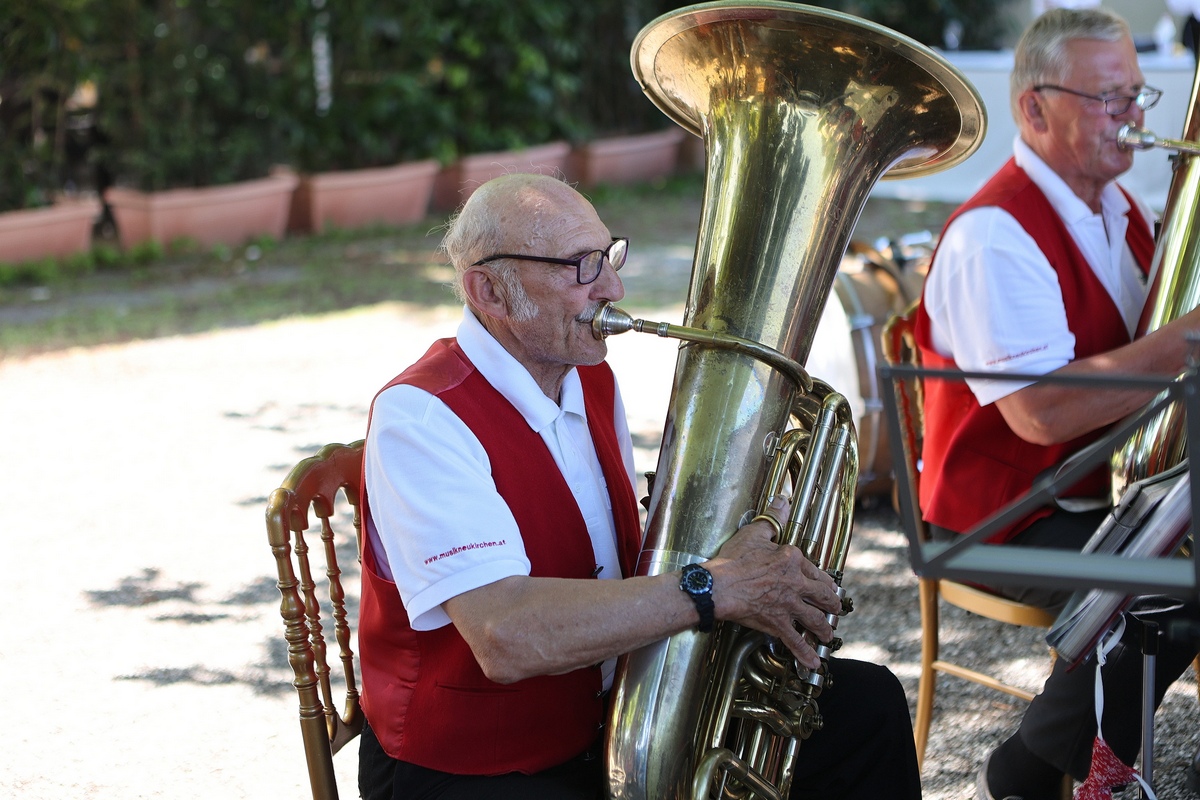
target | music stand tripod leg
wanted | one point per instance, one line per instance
(1150, 636)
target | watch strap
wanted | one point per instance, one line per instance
(702, 598)
(704, 604)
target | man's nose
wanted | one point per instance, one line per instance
(1135, 114)
(608, 285)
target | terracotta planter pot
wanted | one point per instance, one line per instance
(628, 159)
(396, 195)
(230, 214)
(457, 181)
(60, 230)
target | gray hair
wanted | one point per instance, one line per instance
(1040, 55)
(478, 230)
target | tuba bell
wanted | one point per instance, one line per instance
(801, 111)
(1161, 442)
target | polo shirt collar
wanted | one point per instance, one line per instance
(1070, 208)
(509, 377)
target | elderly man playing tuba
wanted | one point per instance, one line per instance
(502, 531)
(1044, 271)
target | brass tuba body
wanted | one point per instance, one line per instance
(1161, 442)
(801, 111)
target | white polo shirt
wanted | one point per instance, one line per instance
(994, 300)
(441, 528)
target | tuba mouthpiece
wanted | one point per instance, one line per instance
(1131, 137)
(1134, 138)
(610, 320)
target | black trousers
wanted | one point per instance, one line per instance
(1060, 723)
(864, 752)
(381, 777)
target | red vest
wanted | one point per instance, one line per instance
(425, 695)
(973, 464)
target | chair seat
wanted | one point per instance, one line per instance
(993, 606)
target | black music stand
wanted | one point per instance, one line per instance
(970, 559)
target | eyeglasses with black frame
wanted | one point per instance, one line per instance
(1146, 98)
(587, 266)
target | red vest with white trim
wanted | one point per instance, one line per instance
(973, 463)
(425, 696)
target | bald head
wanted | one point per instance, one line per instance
(516, 247)
(515, 213)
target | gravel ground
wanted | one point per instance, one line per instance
(147, 659)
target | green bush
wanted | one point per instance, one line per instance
(205, 92)
(185, 94)
(359, 87)
(981, 24)
(107, 257)
(37, 272)
(201, 92)
(609, 100)
(41, 64)
(404, 80)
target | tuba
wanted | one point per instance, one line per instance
(801, 111)
(1161, 442)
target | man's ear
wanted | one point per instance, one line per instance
(484, 293)
(1032, 111)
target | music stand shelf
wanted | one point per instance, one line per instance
(970, 559)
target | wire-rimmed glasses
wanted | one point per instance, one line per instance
(1114, 105)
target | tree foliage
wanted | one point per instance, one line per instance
(41, 64)
(951, 24)
(185, 90)
(201, 92)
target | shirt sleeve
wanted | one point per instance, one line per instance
(442, 526)
(995, 303)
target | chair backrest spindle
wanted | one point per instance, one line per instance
(317, 483)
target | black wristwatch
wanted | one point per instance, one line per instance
(697, 583)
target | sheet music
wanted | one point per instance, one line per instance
(1151, 520)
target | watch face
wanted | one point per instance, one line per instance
(697, 580)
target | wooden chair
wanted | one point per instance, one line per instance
(316, 483)
(899, 347)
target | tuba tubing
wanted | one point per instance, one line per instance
(801, 110)
(1161, 442)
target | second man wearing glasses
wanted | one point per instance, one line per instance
(1045, 271)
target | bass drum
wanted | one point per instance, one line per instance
(847, 348)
